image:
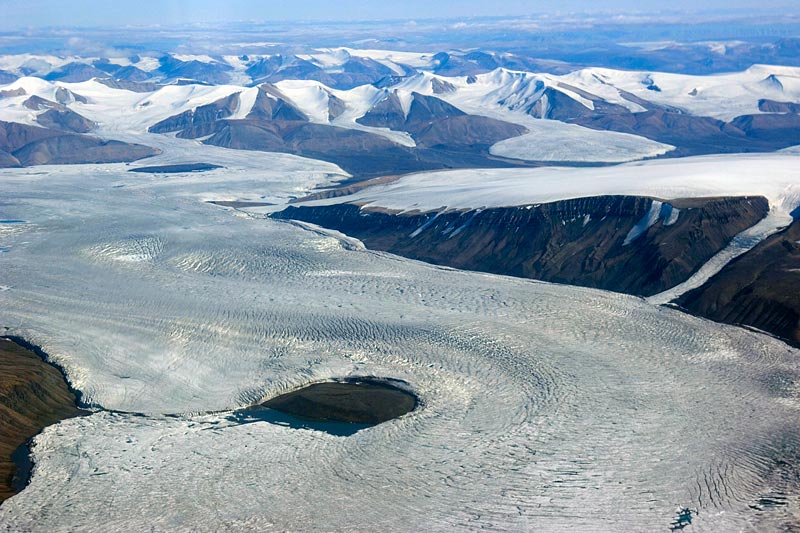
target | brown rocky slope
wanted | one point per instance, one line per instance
(585, 241)
(33, 395)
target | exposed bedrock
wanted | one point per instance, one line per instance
(760, 288)
(33, 394)
(57, 116)
(129, 85)
(775, 128)
(272, 104)
(81, 149)
(194, 122)
(66, 120)
(23, 145)
(772, 106)
(627, 244)
(432, 122)
(446, 137)
(363, 154)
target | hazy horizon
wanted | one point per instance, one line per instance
(92, 13)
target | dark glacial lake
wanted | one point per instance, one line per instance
(341, 407)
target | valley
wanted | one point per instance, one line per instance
(519, 379)
(317, 276)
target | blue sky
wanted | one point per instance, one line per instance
(19, 14)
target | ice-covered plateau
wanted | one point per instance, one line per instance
(543, 407)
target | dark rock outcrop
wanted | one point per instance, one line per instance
(336, 106)
(133, 86)
(465, 132)
(690, 134)
(771, 106)
(75, 72)
(278, 68)
(33, 395)
(385, 113)
(8, 161)
(14, 136)
(776, 128)
(37, 103)
(442, 87)
(429, 108)
(760, 288)
(106, 65)
(271, 104)
(7, 77)
(65, 96)
(57, 116)
(388, 81)
(361, 153)
(66, 120)
(446, 137)
(80, 149)
(131, 73)
(586, 241)
(369, 69)
(23, 145)
(9, 93)
(122, 73)
(216, 72)
(556, 105)
(200, 121)
(434, 123)
(352, 149)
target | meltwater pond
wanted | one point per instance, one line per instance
(354, 400)
(341, 407)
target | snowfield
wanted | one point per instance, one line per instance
(551, 140)
(775, 176)
(721, 96)
(543, 406)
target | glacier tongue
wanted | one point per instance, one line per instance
(745, 241)
(543, 406)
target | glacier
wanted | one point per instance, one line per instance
(543, 406)
(771, 175)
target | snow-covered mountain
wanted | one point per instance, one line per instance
(589, 115)
(346, 68)
(340, 67)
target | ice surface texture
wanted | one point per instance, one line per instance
(542, 406)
